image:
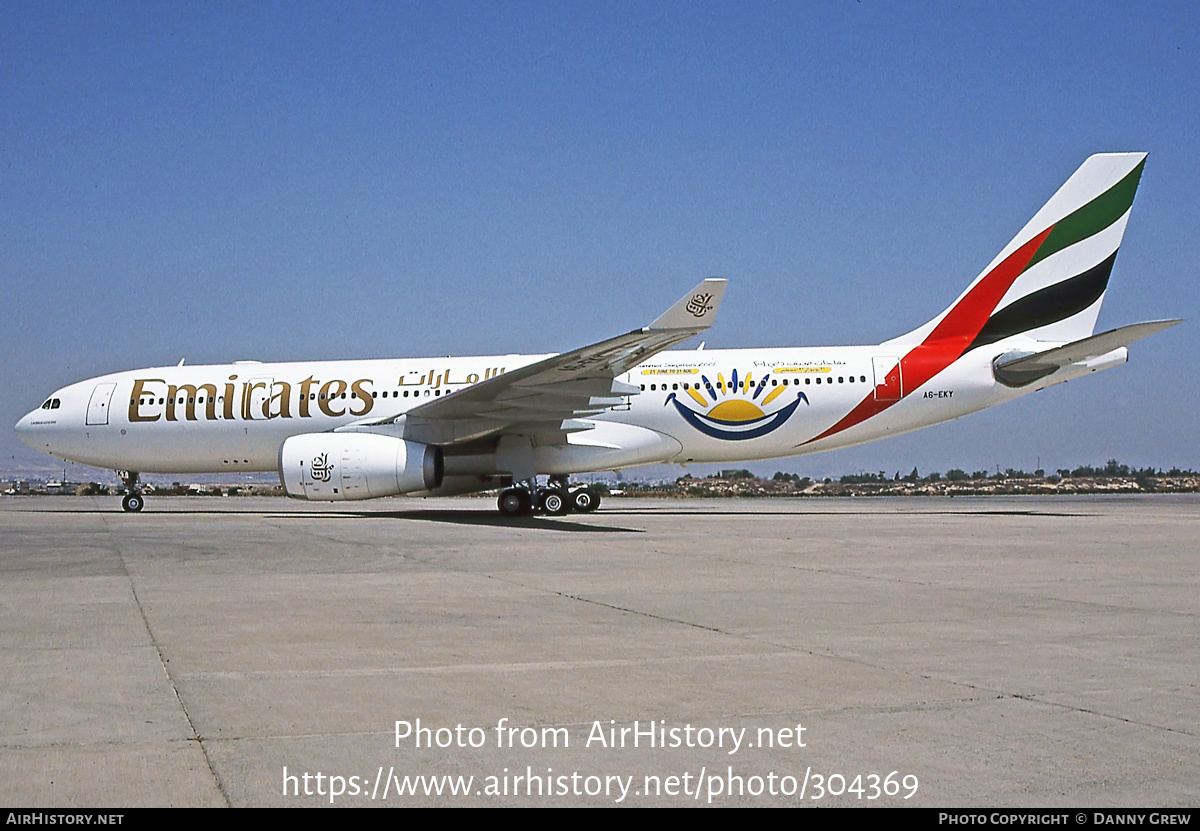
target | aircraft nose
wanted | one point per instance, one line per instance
(24, 430)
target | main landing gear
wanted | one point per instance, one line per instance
(134, 501)
(556, 499)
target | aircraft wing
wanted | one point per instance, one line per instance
(1019, 369)
(548, 395)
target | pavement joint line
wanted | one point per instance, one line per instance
(377, 548)
(9, 745)
(860, 662)
(919, 706)
(1001, 694)
(925, 583)
(1073, 708)
(163, 664)
(522, 666)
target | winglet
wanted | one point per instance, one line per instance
(696, 310)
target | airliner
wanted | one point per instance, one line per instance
(351, 430)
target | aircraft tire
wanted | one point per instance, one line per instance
(555, 502)
(133, 503)
(515, 502)
(584, 500)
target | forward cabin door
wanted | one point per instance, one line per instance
(97, 411)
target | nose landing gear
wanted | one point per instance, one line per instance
(133, 501)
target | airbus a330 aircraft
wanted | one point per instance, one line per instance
(363, 429)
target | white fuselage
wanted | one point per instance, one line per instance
(1025, 323)
(204, 419)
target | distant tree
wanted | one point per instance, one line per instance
(862, 478)
(956, 474)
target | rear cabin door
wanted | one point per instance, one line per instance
(889, 385)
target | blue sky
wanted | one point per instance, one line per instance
(220, 181)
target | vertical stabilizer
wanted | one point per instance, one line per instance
(1049, 282)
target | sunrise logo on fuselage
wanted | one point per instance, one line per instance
(732, 410)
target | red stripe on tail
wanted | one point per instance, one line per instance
(951, 336)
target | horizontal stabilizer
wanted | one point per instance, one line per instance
(1017, 369)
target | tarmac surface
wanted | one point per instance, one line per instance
(998, 651)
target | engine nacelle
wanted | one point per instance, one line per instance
(330, 467)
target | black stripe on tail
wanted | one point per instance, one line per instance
(1049, 305)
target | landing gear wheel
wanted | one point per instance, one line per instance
(554, 501)
(133, 502)
(585, 500)
(515, 502)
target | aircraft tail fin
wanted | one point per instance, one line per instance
(1049, 281)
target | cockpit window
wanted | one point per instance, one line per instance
(54, 402)
(46, 406)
